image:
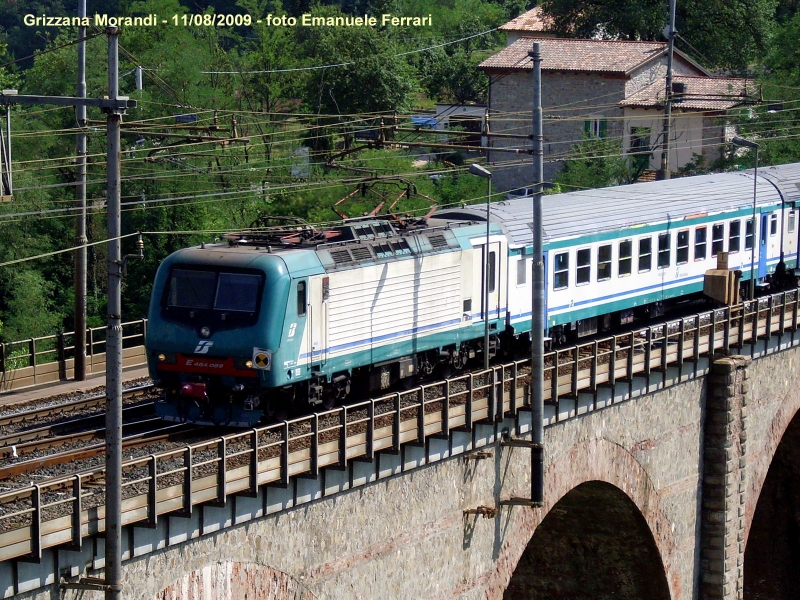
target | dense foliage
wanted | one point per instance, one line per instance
(284, 121)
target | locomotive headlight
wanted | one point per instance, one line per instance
(205, 332)
(249, 364)
(162, 357)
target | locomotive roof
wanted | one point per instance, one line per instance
(585, 212)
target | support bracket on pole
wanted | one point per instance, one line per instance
(95, 584)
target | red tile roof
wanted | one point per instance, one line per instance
(592, 56)
(700, 93)
(533, 20)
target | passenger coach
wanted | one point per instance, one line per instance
(616, 253)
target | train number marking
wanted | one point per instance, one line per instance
(203, 346)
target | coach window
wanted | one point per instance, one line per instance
(584, 266)
(773, 224)
(604, 263)
(748, 234)
(682, 250)
(734, 236)
(792, 221)
(625, 260)
(301, 299)
(492, 271)
(561, 271)
(645, 254)
(700, 236)
(521, 271)
(664, 243)
(717, 239)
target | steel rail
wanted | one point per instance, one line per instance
(97, 400)
(76, 454)
(20, 442)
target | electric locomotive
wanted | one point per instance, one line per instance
(271, 320)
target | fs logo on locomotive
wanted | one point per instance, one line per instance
(203, 346)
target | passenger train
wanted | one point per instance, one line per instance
(273, 320)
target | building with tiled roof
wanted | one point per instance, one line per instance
(533, 23)
(606, 88)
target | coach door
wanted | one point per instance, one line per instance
(479, 270)
(318, 319)
(762, 246)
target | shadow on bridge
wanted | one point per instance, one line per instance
(773, 546)
(594, 543)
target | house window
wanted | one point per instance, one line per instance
(664, 243)
(595, 126)
(773, 224)
(682, 250)
(734, 236)
(645, 254)
(521, 271)
(717, 238)
(584, 266)
(748, 234)
(700, 236)
(561, 271)
(625, 260)
(604, 263)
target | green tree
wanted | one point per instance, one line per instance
(594, 163)
(773, 123)
(725, 33)
(371, 77)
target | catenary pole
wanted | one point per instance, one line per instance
(113, 554)
(663, 172)
(80, 220)
(537, 280)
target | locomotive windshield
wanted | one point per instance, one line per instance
(207, 290)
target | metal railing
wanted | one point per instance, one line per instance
(174, 482)
(48, 359)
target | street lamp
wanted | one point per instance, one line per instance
(743, 143)
(476, 169)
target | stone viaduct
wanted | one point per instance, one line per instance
(688, 491)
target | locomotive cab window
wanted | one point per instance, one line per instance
(748, 234)
(231, 298)
(717, 239)
(700, 243)
(734, 236)
(645, 254)
(492, 271)
(237, 292)
(561, 271)
(583, 273)
(625, 260)
(301, 299)
(682, 250)
(664, 243)
(604, 263)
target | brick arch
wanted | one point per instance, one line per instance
(787, 411)
(235, 581)
(592, 460)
